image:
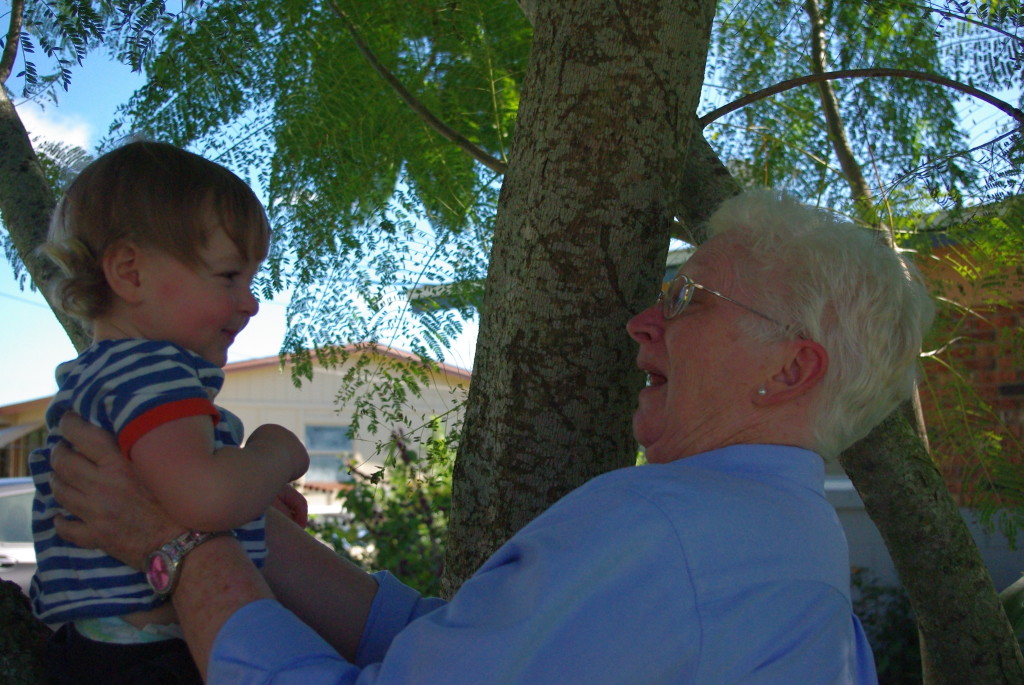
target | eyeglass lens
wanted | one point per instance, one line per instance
(680, 292)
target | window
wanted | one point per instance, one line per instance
(16, 517)
(330, 450)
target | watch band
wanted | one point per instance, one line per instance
(162, 564)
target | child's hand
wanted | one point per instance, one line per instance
(292, 504)
(282, 441)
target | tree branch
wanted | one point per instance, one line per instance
(783, 86)
(13, 35)
(26, 203)
(946, 14)
(418, 107)
(529, 8)
(704, 184)
(833, 120)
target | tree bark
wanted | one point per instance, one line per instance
(26, 202)
(581, 234)
(859, 188)
(706, 183)
(958, 610)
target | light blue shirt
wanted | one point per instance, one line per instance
(725, 567)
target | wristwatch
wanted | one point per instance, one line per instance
(162, 565)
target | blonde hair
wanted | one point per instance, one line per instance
(155, 195)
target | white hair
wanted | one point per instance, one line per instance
(842, 286)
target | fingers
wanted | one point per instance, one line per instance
(92, 442)
(68, 467)
(75, 532)
(301, 512)
(292, 504)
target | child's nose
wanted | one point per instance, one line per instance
(250, 303)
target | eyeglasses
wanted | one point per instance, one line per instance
(677, 294)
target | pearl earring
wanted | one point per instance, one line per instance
(762, 392)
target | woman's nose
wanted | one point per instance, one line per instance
(648, 325)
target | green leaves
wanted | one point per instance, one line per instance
(366, 199)
(908, 135)
(67, 30)
(397, 518)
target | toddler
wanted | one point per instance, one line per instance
(159, 248)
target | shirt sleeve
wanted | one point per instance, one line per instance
(148, 383)
(599, 589)
(568, 600)
(395, 606)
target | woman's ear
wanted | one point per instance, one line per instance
(121, 266)
(803, 370)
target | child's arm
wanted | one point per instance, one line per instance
(205, 489)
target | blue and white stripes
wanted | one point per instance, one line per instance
(117, 384)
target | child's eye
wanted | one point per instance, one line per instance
(229, 275)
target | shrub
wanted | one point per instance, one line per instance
(890, 627)
(397, 518)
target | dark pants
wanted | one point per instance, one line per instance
(71, 658)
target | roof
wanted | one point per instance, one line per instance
(39, 403)
(448, 370)
(391, 352)
(9, 434)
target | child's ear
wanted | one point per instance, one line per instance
(121, 266)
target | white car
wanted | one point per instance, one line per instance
(17, 555)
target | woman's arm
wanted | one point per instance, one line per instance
(330, 594)
(216, 580)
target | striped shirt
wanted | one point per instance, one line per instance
(127, 387)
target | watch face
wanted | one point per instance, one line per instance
(158, 572)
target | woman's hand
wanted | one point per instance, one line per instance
(97, 484)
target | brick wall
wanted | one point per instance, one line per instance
(973, 398)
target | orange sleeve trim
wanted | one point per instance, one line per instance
(157, 416)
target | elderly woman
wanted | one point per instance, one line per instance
(784, 338)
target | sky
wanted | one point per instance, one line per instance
(32, 342)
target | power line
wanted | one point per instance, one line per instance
(23, 300)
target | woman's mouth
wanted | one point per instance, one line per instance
(655, 379)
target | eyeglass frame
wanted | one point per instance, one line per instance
(690, 286)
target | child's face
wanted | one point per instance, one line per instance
(201, 307)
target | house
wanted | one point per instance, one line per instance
(973, 389)
(261, 391)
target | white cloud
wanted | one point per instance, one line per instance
(52, 125)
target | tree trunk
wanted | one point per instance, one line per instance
(580, 241)
(958, 610)
(26, 202)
